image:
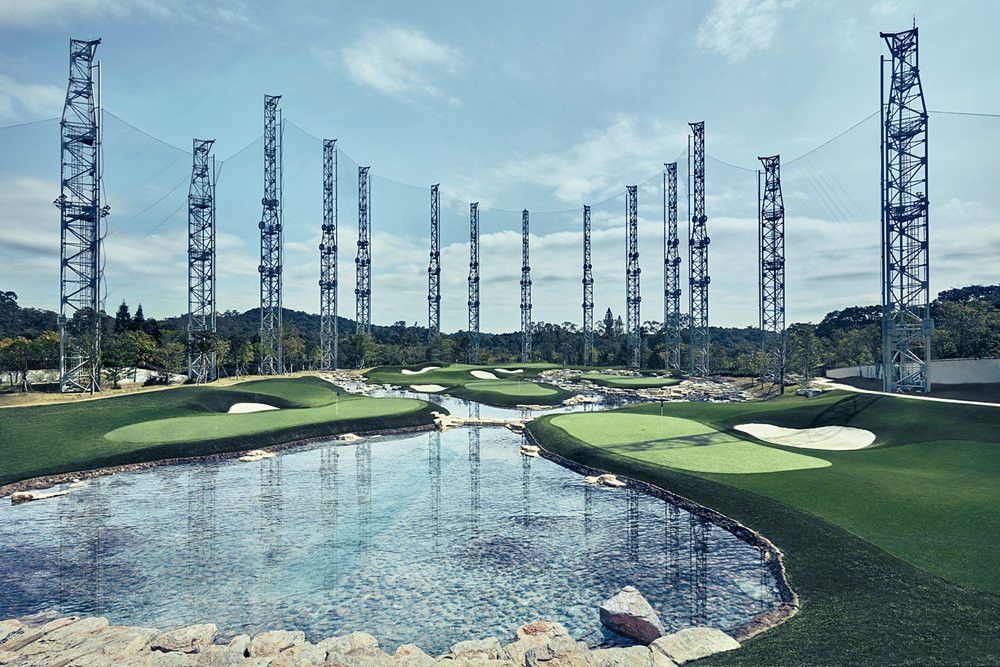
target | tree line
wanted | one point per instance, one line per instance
(967, 325)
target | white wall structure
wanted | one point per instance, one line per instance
(943, 371)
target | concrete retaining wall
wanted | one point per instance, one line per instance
(943, 371)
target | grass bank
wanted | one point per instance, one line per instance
(892, 549)
(513, 384)
(187, 421)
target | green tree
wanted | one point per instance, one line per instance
(123, 319)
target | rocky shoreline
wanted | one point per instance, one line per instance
(93, 641)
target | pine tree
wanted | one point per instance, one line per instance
(138, 320)
(123, 319)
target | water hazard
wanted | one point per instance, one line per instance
(430, 539)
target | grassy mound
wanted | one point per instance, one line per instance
(891, 548)
(459, 381)
(629, 382)
(187, 421)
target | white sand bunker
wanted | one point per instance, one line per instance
(833, 438)
(407, 371)
(506, 371)
(427, 388)
(243, 408)
(484, 375)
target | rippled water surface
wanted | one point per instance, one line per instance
(430, 539)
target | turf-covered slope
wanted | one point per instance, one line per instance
(187, 421)
(892, 549)
(506, 390)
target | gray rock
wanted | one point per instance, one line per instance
(11, 628)
(694, 644)
(411, 655)
(545, 641)
(478, 649)
(9, 657)
(170, 659)
(631, 656)
(629, 614)
(239, 643)
(115, 643)
(354, 641)
(28, 635)
(274, 642)
(355, 649)
(190, 639)
(64, 643)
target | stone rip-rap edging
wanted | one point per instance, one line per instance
(93, 641)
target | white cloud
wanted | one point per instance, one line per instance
(736, 28)
(33, 13)
(398, 61)
(20, 101)
(592, 168)
(886, 7)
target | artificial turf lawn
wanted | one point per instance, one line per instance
(458, 381)
(892, 549)
(50, 439)
(629, 382)
(684, 444)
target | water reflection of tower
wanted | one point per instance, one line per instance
(82, 521)
(270, 510)
(202, 536)
(698, 556)
(434, 472)
(632, 525)
(588, 510)
(672, 540)
(329, 499)
(363, 477)
(474, 471)
(525, 484)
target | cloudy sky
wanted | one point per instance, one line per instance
(545, 106)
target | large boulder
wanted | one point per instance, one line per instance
(273, 642)
(545, 641)
(630, 656)
(411, 655)
(478, 649)
(190, 639)
(693, 644)
(629, 614)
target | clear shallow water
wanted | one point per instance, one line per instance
(430, 539)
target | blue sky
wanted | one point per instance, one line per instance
(520, 104)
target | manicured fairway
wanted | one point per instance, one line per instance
(187, 421)
(893, 548)
(684, 444)
(629, 382)
(458, 381)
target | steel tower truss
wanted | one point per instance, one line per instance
(588, 292)
(671, 271)
(328, 327)
(698, 278)
(434, 268)
(474, 283)
(525, 291)
(363, 262)
(906, 316)
(632, 271)
(271, 241)
(201, 264)
(80, 215)
(772, 270)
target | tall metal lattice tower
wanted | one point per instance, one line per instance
(80, 214)
(588, 292)
(698, 241)
(271, 241)
(328, 327)
(632, 295)
(671, 271)
(906, 314)
(772, 270)
(363, 262)
(201, 263)
(434, 268)
(474, 283)
(525, 291)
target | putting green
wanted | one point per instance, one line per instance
(629, 382)
(679, 443)
(215, 426)
(511, 388)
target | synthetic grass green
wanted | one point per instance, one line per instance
(680, 443)
(892, 549)
(629, 382)
(459, 382)
(213, 427)
(67, 437)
